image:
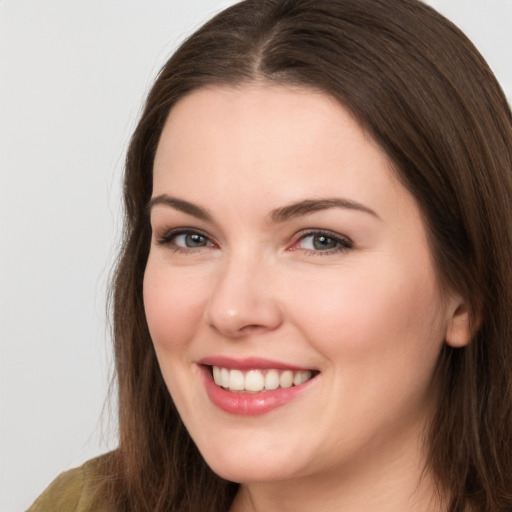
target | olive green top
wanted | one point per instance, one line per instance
(73, 491)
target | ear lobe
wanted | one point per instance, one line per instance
(458, 328)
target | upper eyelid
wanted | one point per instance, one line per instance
(326, 232)
(173, 232)
(182, 229)
(344, 243)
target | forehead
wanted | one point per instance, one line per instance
(258, 115)
(260, 125)
(280, 143)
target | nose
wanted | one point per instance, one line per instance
(243, 301)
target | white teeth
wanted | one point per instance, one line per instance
(258, 380)
(301, 377)
(216, 374)
(254, 381)
(272, 380)
(286, 379)
(236, 380)
(224, 378)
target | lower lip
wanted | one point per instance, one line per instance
(250, 404)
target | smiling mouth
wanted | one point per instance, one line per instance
(259, 380)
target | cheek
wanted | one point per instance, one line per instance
(380, 335)
(173, 306)
(358, 316)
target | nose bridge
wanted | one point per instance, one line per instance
(243, 299)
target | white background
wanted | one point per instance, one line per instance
(72, 77)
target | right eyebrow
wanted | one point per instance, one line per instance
(180, 205)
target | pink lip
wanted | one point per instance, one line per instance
(248, 404)
(247, 363)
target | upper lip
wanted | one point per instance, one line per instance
(248, 363)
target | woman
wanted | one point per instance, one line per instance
(311, 308)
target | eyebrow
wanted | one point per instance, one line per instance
(298, 209)
(314, 205)
(180, 205)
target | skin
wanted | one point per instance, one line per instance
(370, 317)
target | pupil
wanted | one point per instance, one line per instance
(194, 240)
(323, 242)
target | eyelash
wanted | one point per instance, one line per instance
(343, 243)
(169, 236)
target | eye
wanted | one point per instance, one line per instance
(191, 240)
(325, 242)
(184, 240)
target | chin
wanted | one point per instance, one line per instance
(250, 460)
(243, 471)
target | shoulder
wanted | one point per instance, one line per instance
(76, 490)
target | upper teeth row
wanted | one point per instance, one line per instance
(258, 380)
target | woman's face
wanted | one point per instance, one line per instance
(285, 250)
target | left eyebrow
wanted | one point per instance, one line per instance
(308, 206)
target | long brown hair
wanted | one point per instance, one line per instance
(425, 94)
